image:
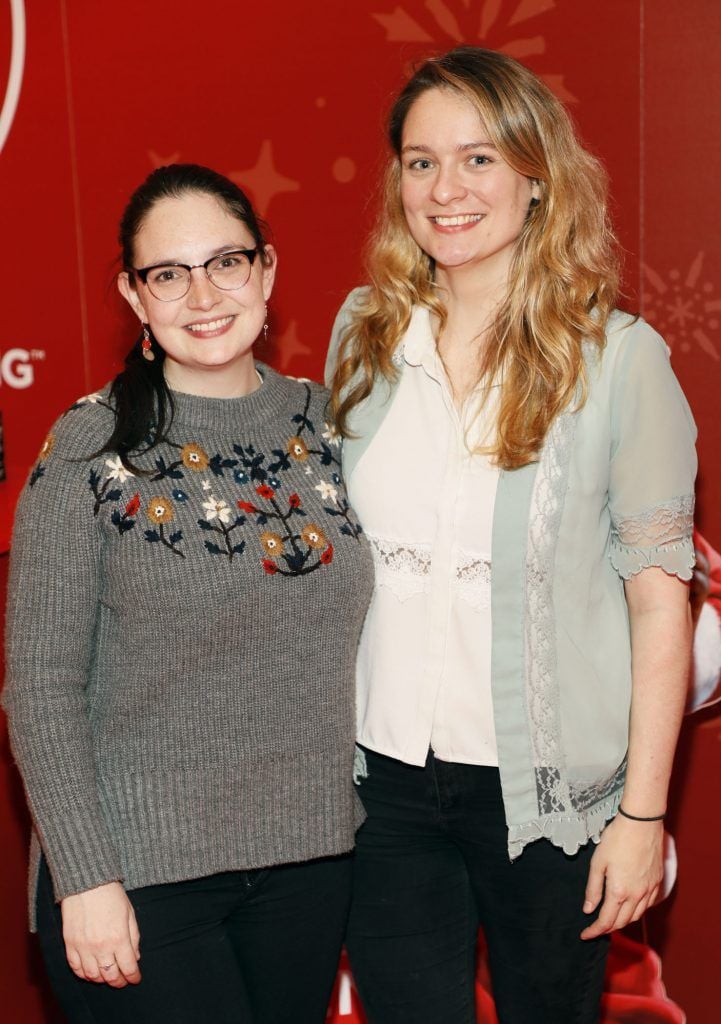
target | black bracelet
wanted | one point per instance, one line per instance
(634, 817)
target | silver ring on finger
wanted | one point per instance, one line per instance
(107, 967)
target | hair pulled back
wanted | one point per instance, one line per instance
(563, 280)
(140, 396)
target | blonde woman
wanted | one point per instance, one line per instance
(521, 457)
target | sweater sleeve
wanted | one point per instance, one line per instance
(653, 461)
(53, 594)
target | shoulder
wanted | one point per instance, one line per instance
(82, 429)
(72, 445)
(630, 339)
(355, 300)
(353, 304)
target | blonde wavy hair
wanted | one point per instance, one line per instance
(564, 274)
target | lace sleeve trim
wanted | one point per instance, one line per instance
(665, 523)
(661, 535)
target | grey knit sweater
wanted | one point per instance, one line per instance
(181, 645)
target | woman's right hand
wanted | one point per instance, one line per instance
(102, 941)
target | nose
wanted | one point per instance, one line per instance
(202, 293)
(448, 185)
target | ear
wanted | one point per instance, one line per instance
(269, 271)
(130, 293)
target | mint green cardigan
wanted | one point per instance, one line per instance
(611, 494)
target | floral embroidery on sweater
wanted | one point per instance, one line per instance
(297, 551)
(219, 519)
(160, 512)
(287, 543)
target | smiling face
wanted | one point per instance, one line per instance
(208, 334)
(464, 205)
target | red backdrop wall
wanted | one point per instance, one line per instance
(288, 99)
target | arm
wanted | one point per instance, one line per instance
(627, 867)
(651, 477)
(53, 595)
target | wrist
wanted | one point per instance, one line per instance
(640, 817)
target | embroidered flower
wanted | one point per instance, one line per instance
(297, 449)
(272, 543)
(47, 447)
(206, 485)
(294, 500)
(247, 506)
(270, 567)
(194, 457)
(216, 508)
(133, 506)
(117, 470)
(274, 482)
(313, 536)
(327, 556)
(159, 510)
(327, 491)
(240, 476)
(335, 477)
(264, 491)
(180, 495)
(331, 435)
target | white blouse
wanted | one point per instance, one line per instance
(426, 504)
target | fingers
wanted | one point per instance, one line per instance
(594, 886)
(90, 967)
(74, 961)
(134, 933)
(127, 965)
(605, 922)
(617, 912)
(110, 972)
(114, 969)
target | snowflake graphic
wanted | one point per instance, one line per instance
(683, 308)
(492, 23)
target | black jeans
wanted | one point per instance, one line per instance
(431, 866)
(242, 947)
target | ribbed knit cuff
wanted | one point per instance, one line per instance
(80, 855)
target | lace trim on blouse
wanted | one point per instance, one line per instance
(542, 697)
(660, 535)
(405, 569)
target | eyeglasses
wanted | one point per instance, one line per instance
(169, 281)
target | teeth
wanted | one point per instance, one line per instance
(214, 325)
(452, 222)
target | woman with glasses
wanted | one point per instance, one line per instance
(180, 674)
(521, 458)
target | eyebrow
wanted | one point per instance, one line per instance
(459, 149)
(229, 247)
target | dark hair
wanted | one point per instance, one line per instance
(141, 398)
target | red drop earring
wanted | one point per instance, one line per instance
(147, 345)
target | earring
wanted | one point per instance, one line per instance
(265, 325)
(147, 345)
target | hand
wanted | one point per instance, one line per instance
(626, 870)
(100, 929)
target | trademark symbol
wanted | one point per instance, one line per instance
(37, 354)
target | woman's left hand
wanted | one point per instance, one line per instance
(626, 872)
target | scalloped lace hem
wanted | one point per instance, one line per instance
(569, 832)
(677, 559)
